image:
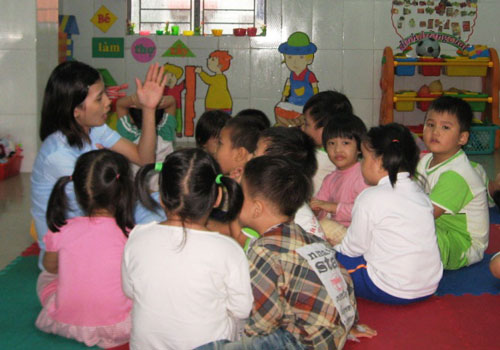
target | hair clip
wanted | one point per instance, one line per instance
(217, 179)
(395, 141)
(117, 176)
(158, 166)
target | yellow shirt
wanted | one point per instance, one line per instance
(218, 96)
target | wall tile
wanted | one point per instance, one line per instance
(293, 10)
(266, 105)
(357, 74)
(266, 64)
(363, 108)
(358, 24)
(327, 24)
(327, 67)
(384, 33)
(18, 91)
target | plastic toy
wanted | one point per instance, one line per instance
(428, 47)
(475, 51)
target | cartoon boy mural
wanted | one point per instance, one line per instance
(218, 96)
(173, 89)
(298, 52)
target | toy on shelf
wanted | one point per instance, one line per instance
(489, 96)
(10, 158)
(428, 47)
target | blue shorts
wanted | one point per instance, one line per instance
(363, 285)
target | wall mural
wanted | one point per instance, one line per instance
(298, 52)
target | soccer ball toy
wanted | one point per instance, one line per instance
(428, 47)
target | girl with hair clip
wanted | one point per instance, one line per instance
(189, 286)
(390, 248)
(74, 113)
(80, 289)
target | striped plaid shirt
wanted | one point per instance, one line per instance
(289, 295)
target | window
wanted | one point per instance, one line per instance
(152, 15)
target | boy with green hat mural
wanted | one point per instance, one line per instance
(298, 52)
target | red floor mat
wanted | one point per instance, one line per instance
(449, 322)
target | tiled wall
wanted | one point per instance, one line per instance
(350, 35)
(28, 52)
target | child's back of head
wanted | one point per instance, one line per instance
(325, 105)
(276, 179)
(454, 106)
(136, 115)
(291, 143)
(345, 125)
(189, 184)
(209, 126)
(103, 186)
(396, 146)
(244, 133)
(256, 116)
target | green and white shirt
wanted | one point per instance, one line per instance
(455, 186)
(165, 131)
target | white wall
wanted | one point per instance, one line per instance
(350, 35)
(28, 52)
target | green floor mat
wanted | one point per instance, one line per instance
(19, 307)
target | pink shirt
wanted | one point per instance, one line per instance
(342, 187)
(89, 290)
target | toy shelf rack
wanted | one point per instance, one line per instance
(490, 86)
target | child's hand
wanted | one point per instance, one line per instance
(150, 93)
(197, 70)
(362, 331)
(317, 205)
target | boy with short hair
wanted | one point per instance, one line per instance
(456, 190)
(303, 297)
(237, 143)
(318, 110)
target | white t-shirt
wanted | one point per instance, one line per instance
(393, 229)
(187, 287)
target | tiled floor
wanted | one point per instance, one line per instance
(15, 215)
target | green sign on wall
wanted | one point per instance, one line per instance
(107, 47)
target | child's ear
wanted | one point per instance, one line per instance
(217, 201)
(242, 155)
(463, 138)
(258, 209)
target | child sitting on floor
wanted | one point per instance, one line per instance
(457, 192)
(189, 285)
(390, 248)
(208, 129)
(318, 110)
(129, 124)
(80, 290)
(303, 297)
(342, 140)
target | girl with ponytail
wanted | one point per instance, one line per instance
(189, 286)
(80, 289)
(390, 248)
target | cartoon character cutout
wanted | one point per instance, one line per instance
(218, 96)
(298, 52)
(174, 89)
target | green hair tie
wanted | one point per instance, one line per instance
(158, 166)
(217, 179)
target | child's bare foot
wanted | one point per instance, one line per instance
(362, 331)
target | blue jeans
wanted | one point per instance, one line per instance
(363, 285)
(278, 340)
